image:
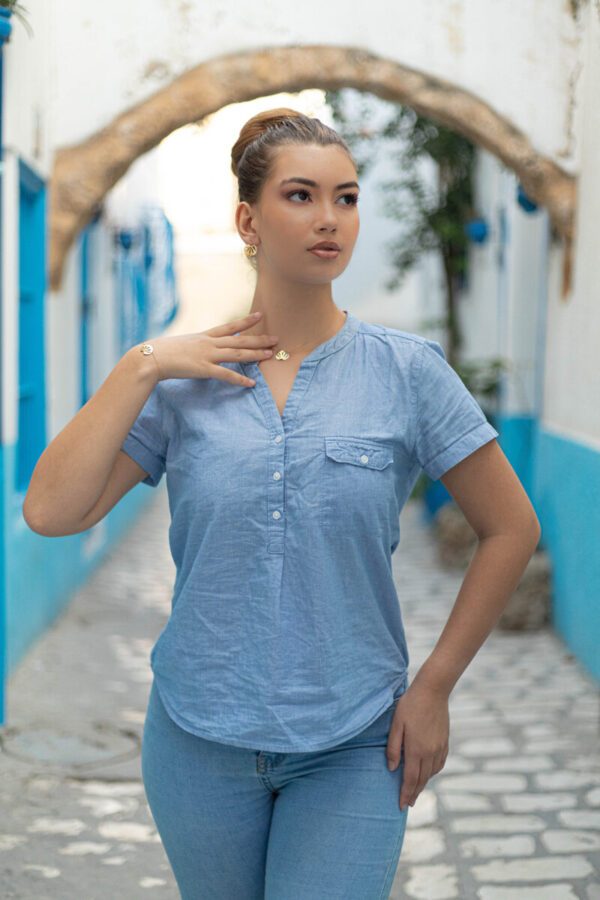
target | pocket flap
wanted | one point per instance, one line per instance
(368, 454)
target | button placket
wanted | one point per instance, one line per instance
(275, 491)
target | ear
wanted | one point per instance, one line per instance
(245, 224)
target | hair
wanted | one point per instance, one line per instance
(252, 155)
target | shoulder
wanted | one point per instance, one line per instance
(406, 346)
(394, 337)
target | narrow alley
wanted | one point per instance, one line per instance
(515, 813)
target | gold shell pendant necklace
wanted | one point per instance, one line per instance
(285, 354)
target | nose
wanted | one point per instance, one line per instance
(328, 220)
(327, 217)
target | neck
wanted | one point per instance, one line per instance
(300, 315)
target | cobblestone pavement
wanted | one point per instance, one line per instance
(515, 813)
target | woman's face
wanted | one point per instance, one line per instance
(291, 217)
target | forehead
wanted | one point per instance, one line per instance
(327, 165)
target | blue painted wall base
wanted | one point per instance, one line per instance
(43, 573)
(567, 500)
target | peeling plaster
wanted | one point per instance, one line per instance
(156, 70)
(453, 24)
(569, 145)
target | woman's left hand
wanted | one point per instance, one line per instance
(422, 723)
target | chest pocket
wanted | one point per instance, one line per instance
(357, 484)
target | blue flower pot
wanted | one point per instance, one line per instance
(5, 24)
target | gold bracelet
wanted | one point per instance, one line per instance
(148, 350)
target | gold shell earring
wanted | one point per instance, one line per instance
(250, 250)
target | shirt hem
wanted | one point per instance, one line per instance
(278, 747)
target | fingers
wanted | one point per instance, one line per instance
(393, 750)
(413, 784)
(417, 772)
(410, 779)
(239, 354)
(247, 340)
(424, 776)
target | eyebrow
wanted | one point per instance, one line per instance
(314, 183)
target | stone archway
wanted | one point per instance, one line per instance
(85, 172)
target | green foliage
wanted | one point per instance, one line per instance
(430, 218)
(482, 379)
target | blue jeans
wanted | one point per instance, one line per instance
(254, 825)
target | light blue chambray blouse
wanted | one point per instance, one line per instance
(285, 632)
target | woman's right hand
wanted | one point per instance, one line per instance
(198, 355)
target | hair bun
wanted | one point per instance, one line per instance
(258, 125)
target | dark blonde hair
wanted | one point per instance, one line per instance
(252, 154)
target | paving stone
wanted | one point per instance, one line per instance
(545, 868)
(538, 802)
(518, 764)
(436, 882)
(556, 745)
(592, 798)
(482, 783)
(565, 841)
(580, 818)
(538, 730)
(492, 747)
(424, 812)
(583, 763)
(502, 824)
(421, 844)
(560, 780)
(465, 802)
(476, 722)
(553, 892)
(456, 765)
(515, 845)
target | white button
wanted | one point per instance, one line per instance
(364, 458)
(276, 475)
(278, 439)
(276, 514)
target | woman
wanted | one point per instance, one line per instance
(291, 439)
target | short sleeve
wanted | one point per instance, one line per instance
(146, 442)
(450, 424)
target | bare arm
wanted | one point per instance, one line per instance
(83, 472)
(71, 474)
(487, 489)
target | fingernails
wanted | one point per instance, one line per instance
(256, 314)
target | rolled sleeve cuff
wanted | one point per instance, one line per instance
(460, 449)
(147, 460)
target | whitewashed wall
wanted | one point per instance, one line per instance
(528, 58)
(514, 54)
(501, 312)
(572, 384)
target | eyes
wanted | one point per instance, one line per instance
(353, 197)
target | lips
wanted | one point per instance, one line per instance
(324, 253)
(325, 245)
